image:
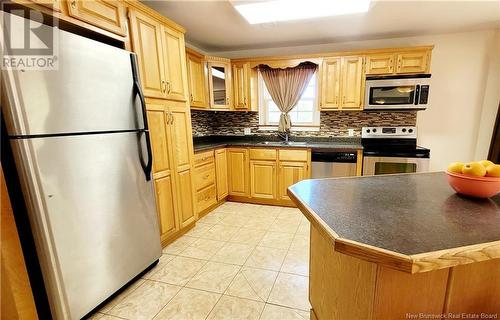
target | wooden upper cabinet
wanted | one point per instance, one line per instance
(146, 42)
(330, 83)
(263, 179)
(352, 82)
(51, 4)
(221, 173)
(237, 164)
(105, 14)
(157, 120)
(196, 80)
(174, 61)
(219, 83)
(241, 85)
(289, 174)
(380, 63)
(413, 62)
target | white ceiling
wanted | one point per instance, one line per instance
(216, 26)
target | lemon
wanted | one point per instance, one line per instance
(474, 169)
(455, 167)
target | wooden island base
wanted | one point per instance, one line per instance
(345, 287)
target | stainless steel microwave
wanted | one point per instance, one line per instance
(397, 92)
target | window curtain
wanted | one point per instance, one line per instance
(286, 86)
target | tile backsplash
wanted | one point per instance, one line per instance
(332, 124)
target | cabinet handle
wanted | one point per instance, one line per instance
(245, 101)
(167, 120)
(73, 4)
(163, 86)
(191, 98)
(206, 177)
(172, 116)
(168, 86)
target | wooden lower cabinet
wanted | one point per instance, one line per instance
(165, 202)
(221, 173)
(290, 173)
(263, 175)
(238, 171)
(186, 208)
(263, 179)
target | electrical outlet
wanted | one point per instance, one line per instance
(350, 132)
(247, 131)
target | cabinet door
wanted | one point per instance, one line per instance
(146, 42)
(263, 179)
(165, 202)
(179, 123)
(289, 174)
(241, 86)
(157, 120)
(330, 84)
(238, 171)
(352, 82)
(105, 14)
(186, 197)
(380, 64)
(412, 62)
(196, 81)
(180, 132)
(174, 57)
(221, 173)
(219, 83)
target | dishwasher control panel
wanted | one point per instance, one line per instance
(335, 156)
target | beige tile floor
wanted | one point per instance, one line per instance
(241, 261)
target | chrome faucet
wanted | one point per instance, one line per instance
(284, 136)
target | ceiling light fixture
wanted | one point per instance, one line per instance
(284, 10)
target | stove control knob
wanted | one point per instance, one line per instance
(410, 130)
(367, 130)
(404, 130)
(374, 130)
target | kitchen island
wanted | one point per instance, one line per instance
(400, 247)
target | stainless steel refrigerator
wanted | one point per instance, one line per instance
(81, 145)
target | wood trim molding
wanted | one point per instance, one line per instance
(320, 55)
(417, 263)
(217, 59)
(456, 256)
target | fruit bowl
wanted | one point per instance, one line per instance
(477, 187)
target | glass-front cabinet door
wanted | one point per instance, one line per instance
(219, 75)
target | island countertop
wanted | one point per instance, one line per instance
(409, 222)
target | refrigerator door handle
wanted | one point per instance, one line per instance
(147, 167)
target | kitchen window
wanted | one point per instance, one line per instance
(305, 115)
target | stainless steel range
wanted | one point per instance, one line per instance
(389, 150)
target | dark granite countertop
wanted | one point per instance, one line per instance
(315, 143)
(407, 216)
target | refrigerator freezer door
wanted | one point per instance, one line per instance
(91, 91)
(92, 213)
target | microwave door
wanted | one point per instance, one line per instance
(387, 97)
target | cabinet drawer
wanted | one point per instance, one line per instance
(206, 198)
(293, 155)
(204, 157)
(204, 176)
(263, 154)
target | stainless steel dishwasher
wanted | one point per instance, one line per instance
(330, 164)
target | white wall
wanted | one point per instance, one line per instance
(464, 93)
